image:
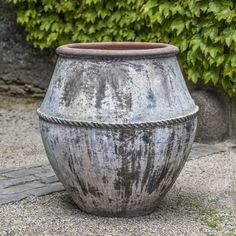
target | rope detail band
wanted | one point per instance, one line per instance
(160, 123)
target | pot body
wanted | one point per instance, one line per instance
(117, 131)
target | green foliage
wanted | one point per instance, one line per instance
(205, 31)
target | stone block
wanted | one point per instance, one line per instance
(47, 189)
(8, 182)
(212, 118)
(20, 62)
(49, 180)
(21, 188)
(4, 199)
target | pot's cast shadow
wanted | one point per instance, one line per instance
(180, 211)
(174, 204)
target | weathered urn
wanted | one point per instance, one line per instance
(117, 124)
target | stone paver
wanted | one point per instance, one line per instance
(34, 170)
(17, 184)
(11, 198)
(47, 189)
(9, 182)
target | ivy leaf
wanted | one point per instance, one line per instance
(148, 6)
(68, 28)
(55, 26)
(211, 75)
(229, 36)
(195, 8)
(212, 33)
(194, 75)
(214, 6)
(195, 43)
(157, 17)
(45, 25)
(228, 70)
(204, 5)
(102, 13)
(165, 9)
(116, 16)
(183, 44)
(177, 8)
(22, 18)
(220, 60)
(52, 37)
(226, 83)
(92, 29)
(90, 16)
(232, 60)
(178, 25)
(213, 50)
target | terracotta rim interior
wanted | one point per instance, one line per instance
(116, 49)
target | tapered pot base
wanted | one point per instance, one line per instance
(122, 214)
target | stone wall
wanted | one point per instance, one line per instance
(25, 71)
(232, 118)
(215, 110)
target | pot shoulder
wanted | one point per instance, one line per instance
(117, 91)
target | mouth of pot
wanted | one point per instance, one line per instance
(117, 49)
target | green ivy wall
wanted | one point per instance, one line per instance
(204, 30)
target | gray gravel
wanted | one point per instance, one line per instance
(20, 141)
(202, 202)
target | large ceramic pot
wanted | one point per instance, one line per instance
(117, 124)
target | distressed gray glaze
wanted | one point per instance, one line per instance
(117, 171)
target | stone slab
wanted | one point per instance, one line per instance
(47, 189)
(4, 199)
(25, 172)
(8, 182)
(21, 188)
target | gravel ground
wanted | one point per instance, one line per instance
(20, 140)
(202, 202)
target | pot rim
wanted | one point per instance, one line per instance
(117, 49)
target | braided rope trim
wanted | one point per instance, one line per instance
(160, 123)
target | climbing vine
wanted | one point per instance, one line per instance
(205, 31)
